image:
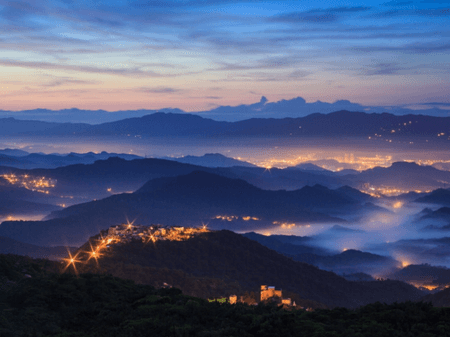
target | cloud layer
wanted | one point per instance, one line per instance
(117, 54)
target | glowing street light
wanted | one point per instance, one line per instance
(72, 261)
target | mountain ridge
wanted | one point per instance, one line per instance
(335, 124)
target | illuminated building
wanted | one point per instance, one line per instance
(270, 292)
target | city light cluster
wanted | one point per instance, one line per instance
(35, 184)
(388, 191)
(126, 233)
(286, 225)
(335, 164)
(236, 217)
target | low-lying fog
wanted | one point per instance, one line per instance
(267, 152)
(399, 235)
(22, 217)
(396, 233)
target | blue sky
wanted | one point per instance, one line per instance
(196, 55)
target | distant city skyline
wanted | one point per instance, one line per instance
(197, 55)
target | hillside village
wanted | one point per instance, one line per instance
(125, 233)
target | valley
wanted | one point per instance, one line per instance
(373, 214)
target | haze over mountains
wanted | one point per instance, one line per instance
(296, 107)
(335, 124)
(186, 200)
(332, 213)
(25, 160)
(209, 195)
(176, 193)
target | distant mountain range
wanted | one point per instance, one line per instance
(24, 160)
(84, 182)
(402, 175)
(440, 196)
(336, 124)
(312, 196)
(188, 199)
(423, 274)
(210, 160)
(293, 108)
(442, 213)
(115, 175)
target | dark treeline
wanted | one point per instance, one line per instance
(52, 304)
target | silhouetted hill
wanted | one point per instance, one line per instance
(17, 200)
(12, 126)
(16, 192)
(228, 256)
(336, 229)
(308, 167)
(358, 277)
(351, 261)
(321, 197)
(440, 197)
(344, 123)
(422, 274)
(10, 246)
(286, 179)
(213, 187)
(12, 161)
(439, 299)
(84, 182)
(13, 152)
(442, 213)
(183, 200)
(354, 194)
(161, 124)
(35, 301)
(442, 166)
(190, 199)
(11, 207)
(410, 196)
(280, 244)
(403, 175)
(335, 124)
(211, 160)
(40, 160)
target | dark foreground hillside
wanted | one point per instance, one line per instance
(225, 263)
(51, 304)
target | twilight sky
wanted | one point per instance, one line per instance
(199, 54)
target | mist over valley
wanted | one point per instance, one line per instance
(365, 209)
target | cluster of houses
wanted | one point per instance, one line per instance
(268, 293)
(128, 232)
